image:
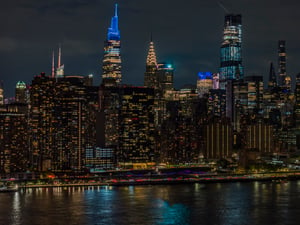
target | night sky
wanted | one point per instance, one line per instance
(186, 33)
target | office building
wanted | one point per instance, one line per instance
(204, 83)
(231, 49)
(281, 62)
(14, 153)
(111, 67)
(1, 94)
(136, 131)
(63, 120)
(150, 78)
(272, 82)
(21, 92)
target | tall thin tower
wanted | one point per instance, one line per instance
(272, 77)
(281, 62)
(231, 50)
(111, 67)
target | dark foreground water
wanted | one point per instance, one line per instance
(226, 203)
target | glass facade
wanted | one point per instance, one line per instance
(231, 55)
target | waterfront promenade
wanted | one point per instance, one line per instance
(278, 177)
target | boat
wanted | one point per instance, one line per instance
(5, 188)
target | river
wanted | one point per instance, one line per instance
(183, 204)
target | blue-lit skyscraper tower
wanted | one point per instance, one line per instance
(231, 58)
(111, 68)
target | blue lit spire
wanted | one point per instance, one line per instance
(113, 31)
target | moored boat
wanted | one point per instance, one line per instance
(8, 188)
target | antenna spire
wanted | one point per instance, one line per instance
(59, 57)
(116, 10)
(53, 69)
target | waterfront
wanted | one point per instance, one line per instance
(212, 203)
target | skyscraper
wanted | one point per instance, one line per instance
(111, 68)
(20, 92)
(281, 62)
(272, 77)
(62, 122)
(136, 131)
(150, 79)
(1, 94)
(204, 83)
(13, 140)
(231, 49)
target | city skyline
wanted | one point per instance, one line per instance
(32, 30)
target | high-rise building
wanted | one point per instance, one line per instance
(216, 81)
(13, 140)
(204, 83)
(63, 120)
(180, 132)
(150, 79)
(1, 94)
(136, 131)
(297, 102)
(231, 49)
(165, 72)
(255, 94)
(127, 119)
(272, 77)
(41, 121)
(108, 117)
(281, 62)
(111, 67)
(216, 105)
(20, 95)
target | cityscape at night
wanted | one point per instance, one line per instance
(201, 104)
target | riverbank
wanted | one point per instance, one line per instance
(274, 177)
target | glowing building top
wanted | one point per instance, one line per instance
(231, 49)
(204, 83)
(20, 92)
(150, 78)
(21, 85)
(151, 57)
(113, 32)
(111, 67)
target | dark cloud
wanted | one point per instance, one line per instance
(186, 33)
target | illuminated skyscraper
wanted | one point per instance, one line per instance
(204, 83)
(13, 140)
(111, 68)
(150, 79)
(231, 49)
(281, 62)
(41, 121)
(20, 92)
(136, 133)
(1, 94)
(62, 122)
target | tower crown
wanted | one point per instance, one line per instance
(151, 57)
(113, 31)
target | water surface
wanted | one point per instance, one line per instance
(184, 204)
